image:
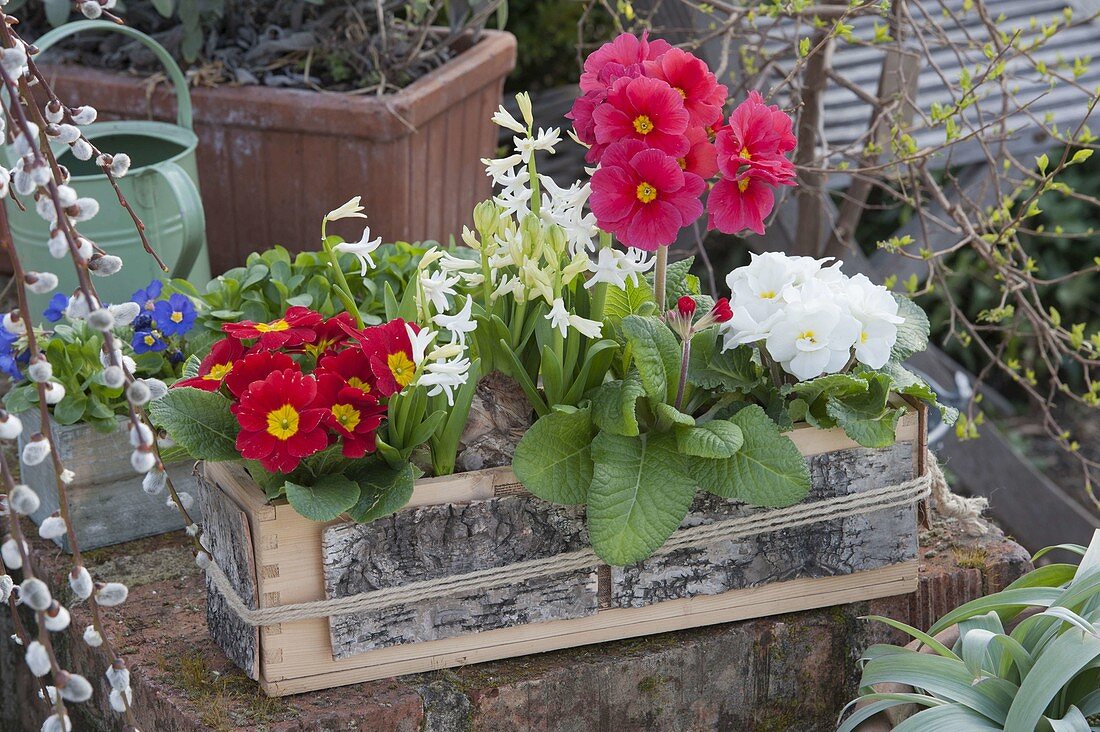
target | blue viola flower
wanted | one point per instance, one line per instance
(56, 309)
(144, 321)
(145, 296)
(174, 316)
(176, 357)
(10, 365)
(148, 340)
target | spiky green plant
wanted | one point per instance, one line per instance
(1042, 675)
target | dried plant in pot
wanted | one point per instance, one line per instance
(410, 150)
(690, 461)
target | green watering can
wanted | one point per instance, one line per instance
(161, 186)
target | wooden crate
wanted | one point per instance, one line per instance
(457, 524)
(106, 502)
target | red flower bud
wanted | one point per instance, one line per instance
(686, 306)
(721, 312)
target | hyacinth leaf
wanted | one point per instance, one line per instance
(1074, 721)
(656, 354)
(199, 421)
(330, 496)
(597, 362)
(913, 333)
(865, 417)
(382, 491)
(916, 634)
(767, 470)
(949, 717)
(553, 460)
(945, 678)
(1007, 603)
(717, 439)
(880, 703)
(1068, 655)
(614, 406)
(640, 493)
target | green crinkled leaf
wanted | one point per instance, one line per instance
(731, 370)
(191, 366)
(678, 281)
(717, 439)
(815, 394)
(905, 382)
(668, 415)
(330, 496)
(553, 460)
(199, 421)
(913, 333)
(640, 493)
(866, 417)
(768, 469)
(382, 490)
(656, 354)
(631, 300)
(614, 404)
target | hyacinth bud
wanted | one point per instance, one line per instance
(39, 370)
(104, 265)
(6, 585)
(157, 388)
(54, 723)
(101, 320)
(114, 377)
(154, 481)
(53, 391)
(138, 393)
(487, 218)
(57, 617)
(80, 582)
(9, 552)
(23, 500)
(111, 594)
(35, 594)
(118, 676)
(84, 115)
(142, 459)
(92, 637)
(40, 283)
(54, 111)
(10, 426)
(52, 527)
(124, 313)
(38, 660)
(121, 699)
(74, 687)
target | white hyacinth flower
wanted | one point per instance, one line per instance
(362, 250)
(461, 323)
(443, 377)
(351, 209)
(419, 342)
(437, 287)
(504, 118)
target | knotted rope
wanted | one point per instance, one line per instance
(741, 527)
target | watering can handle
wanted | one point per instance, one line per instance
(193, 220)
(179, 82)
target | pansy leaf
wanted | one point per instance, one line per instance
(330, 496)
(553, 460)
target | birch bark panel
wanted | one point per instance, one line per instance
(826, 549)
(229, 539)
(440, 541)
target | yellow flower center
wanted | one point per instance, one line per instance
(767, 295)
(743, 184)
(218, 371)
(282, 423)
(745, 154)
(681, 92)
(149, 339)
(807, 335)
(359, 384)
(646, 192)
(346, 415)
(316, 349)
(275, 327)
(863, 337)
(176, 316)
(401, 367)
(643, 125)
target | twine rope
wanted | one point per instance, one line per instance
(741, 527)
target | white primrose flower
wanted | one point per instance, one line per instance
(460, 323)
(10, 426)
(350, 210)
(877, 312)
(41, 283)
(23, 500)
(52, 527)
(504, 118)
(80, 582)
(759, 287)
(362, 250)
(811, 339)
(57, 618)
(38, 660)
(36, 450)
(92, 637)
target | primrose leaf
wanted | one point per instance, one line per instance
(199, 421)
(330, 496)
(553, 460)
(656, 354)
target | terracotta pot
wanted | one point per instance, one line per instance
(273, 161)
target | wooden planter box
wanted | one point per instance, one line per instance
(106, 502)
(273, 161)
(462, 523)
